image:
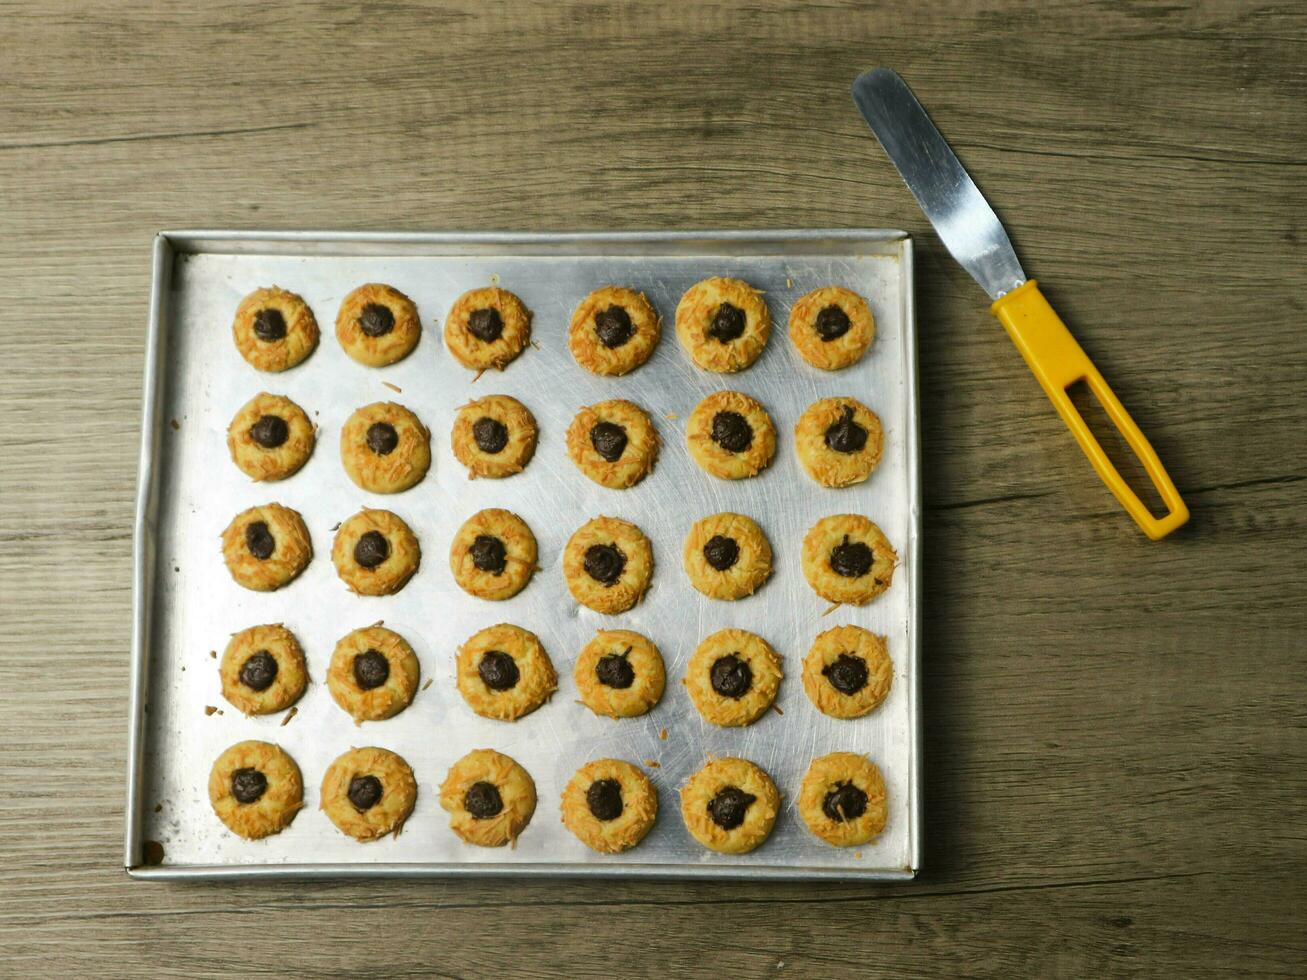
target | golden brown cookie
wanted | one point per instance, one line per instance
(831, 327)
(384, 448)
(375, 552)
(610, 805)
(378, 325)
(255, 789)
(489, 798)
(504, 672)
(487, 328)
(266, 547)
(847, 672)
(842, 799)
(723, 324)
(846, 558)
(274, 329)
(369, 793)
(270, 438)
(613, 443)
(619, 673)
(262, 670)
(839, 441)
(494, 436)
(731, 436)
(726, 556)
(493, 555)
(733, 677)
(613, 331)
(607, 564)
(374, 674)
(730, 805)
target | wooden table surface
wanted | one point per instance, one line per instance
(1115, 729)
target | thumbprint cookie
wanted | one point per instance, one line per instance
(255, 789)
(619, 673)
(609, 805)
(842, 799)
(375, 552)
(262, 670)
(494, 436)
(504, 672)
(607, 564)
(839, 441)
(373, 674)
(846, 558)
(368, 793)
(731, 436)
(730, 805)
(384, 448)
(266, 547)
(723, 324)
(493, 555)
(487, 328)
(274, 329)
(831, 327)
(613, 331)
(489, 798)
(377, 325)
(613, 443)
(270, 438)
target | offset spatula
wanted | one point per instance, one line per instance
(972, 233)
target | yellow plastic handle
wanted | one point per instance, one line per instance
(1059, 362)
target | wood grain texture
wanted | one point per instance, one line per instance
(1116, 734)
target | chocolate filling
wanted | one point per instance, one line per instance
(852, 559)
(382, 438)
(372, 549)
(604, 798)
(731, 676)
(376, 320)
(486, 325)
(614, 670)
(269, 325)
(604, 563)
(831, 323)
(259, 540)
(491, 435)
(609, 440)
(844, 802)
(846, 435)
(732, 432)
(247, 785)
(488, 554)
(729, 806)
(259, 671)
(613, 327)
(270, 431)
(371, 669)
(721, 552)
(482, 800)
(847, 674)
(498, 670)
(727, 323)
(364, 792)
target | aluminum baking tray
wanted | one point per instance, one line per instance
(186, 605)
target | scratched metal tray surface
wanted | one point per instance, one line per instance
(186, 605)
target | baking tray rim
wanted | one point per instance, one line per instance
(165, 247)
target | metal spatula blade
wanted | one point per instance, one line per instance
(963, 218)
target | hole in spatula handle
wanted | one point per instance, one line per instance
(1115, 447)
